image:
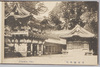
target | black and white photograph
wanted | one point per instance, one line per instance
(50, 32)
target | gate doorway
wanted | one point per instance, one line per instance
(31, 49)
(34, 49)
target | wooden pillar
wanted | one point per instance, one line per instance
(66, 44)
(31, 47)
(51, 49)
(42, 49)
(14, 45)
(54, 49)
(58, 48)
(37, 48)
(48, 49)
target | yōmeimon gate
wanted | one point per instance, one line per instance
(24, 44)
(79, 40)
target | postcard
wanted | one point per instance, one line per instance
(50, 32)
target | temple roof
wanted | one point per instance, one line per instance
(78, 31)
(18, 12)
(29, 34)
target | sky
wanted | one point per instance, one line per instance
(50, 6)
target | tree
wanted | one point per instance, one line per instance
(70, 11)
(90, 17)
(82, 13)
(29, 6)
(16, 16)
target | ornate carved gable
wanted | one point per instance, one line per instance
(78, 31)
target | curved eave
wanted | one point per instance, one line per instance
(38, 36)
(83, 36)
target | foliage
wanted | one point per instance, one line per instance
(65, 15)
(73, 13)
(29, 6)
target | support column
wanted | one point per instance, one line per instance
(51, 49)
(37, 48)
(14, 45)
(54, 49)
(42, 49)
(31, 48)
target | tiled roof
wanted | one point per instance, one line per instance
(77, 31)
